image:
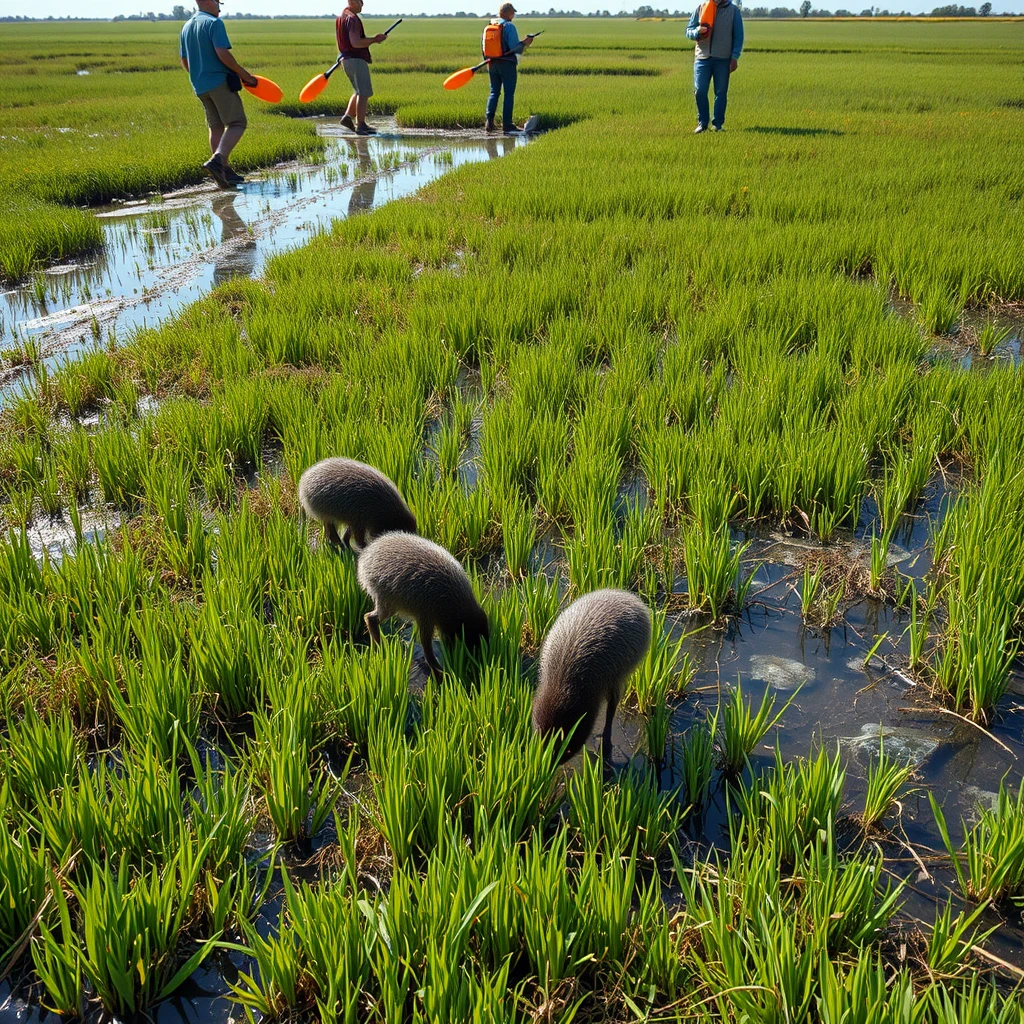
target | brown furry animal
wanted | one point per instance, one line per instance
(417, 579)
(592, 649)
(343, 492)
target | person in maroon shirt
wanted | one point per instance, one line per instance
(354, 47)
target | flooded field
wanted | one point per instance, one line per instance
(161, 253)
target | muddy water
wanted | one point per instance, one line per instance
(164, 252)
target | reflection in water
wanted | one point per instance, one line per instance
(237, 255)
(160, 254)
(365, 189)
(500, 147)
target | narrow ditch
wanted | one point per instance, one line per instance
(167, 251)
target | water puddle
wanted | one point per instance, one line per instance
(165, 252)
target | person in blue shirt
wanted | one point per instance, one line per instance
(715, 59)
(206, 56)
(503, 72)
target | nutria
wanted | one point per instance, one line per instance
(409, 576)
(586, 659)
(345, 492)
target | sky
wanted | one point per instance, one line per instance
(109, 8)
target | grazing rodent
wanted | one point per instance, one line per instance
(409, 576)
(592, 649)
(343, 492)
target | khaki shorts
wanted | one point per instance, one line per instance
(358, 72)
(224, 108)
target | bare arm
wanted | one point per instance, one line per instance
(232, 65)
(358, 42)
(184, 63)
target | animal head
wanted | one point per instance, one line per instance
(472, 629)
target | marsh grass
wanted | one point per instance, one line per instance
(886, 780)
(649, 373)
(990, 865)
(742, 727)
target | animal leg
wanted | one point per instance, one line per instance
(606, 736)
(427, 640)
(357, 539)
(372, 620)
(331, 533)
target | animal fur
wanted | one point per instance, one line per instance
(343, 492)
(412, 577)
(592, 649)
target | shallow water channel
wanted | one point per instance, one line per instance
(166, 251)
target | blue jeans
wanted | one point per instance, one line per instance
(704, 71)
(503, 73)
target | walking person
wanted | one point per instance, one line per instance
(502, 46)
(217, 80)
(354, 47)
(715, 59)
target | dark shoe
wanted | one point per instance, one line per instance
(718, 127)
(700, 128)
(214, 167)
(511, 129)
(365, 129)
(490, 126)
(233, 177)
(347, 122)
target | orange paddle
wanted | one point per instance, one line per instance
(265, 89)
(315, 86)
(460, 78)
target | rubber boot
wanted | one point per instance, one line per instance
(490, 126)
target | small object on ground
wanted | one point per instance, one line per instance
(214, 167)
(265, 89)
(417, 579)
(344, 492)
(365, 129)
(347, 122)
(700, 128)
(532, 123)
(592, 649)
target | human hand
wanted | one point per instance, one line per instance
(703, 30)
(379, 37)
(733, 65)
(528, 41)
(250, 80)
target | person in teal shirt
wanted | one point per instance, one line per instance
(206, 55)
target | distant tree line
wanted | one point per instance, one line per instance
(179, 13)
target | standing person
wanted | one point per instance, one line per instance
(354, 47)
(206, 56)
(503, 68)
(716, 57)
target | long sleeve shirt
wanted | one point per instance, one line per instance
(728, 43)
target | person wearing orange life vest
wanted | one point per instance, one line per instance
(502, 46)
(717, 29)
(354, 47)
